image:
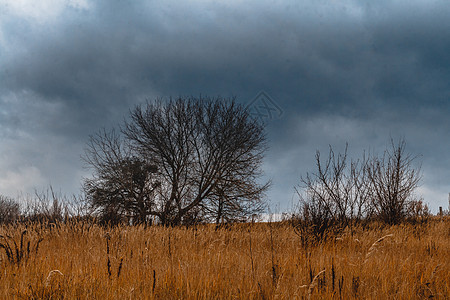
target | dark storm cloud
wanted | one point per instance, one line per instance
(341, 72)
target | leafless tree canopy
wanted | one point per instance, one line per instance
(180, 161)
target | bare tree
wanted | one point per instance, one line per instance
(202, 147)
(393, 178)
(123, 184)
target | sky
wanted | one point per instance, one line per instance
(333, 72)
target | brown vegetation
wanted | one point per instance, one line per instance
(243, 261)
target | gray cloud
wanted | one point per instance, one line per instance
(347, 71)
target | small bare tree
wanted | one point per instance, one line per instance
(393, 178)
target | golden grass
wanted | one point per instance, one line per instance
(78, 261)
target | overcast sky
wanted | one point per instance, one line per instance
(334, 71)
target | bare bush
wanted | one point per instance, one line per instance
(9, 210)
(332, 198)
(393, 178)
(341, 192)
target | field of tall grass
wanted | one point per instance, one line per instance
(243, 261)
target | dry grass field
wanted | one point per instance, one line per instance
(246, 261)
